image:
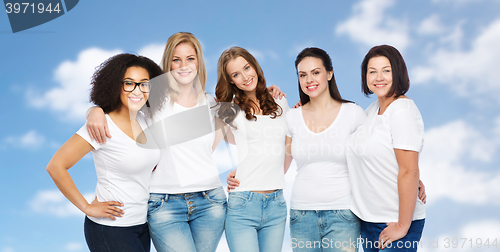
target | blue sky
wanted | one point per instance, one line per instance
(450, 46)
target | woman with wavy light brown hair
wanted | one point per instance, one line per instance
(256, 210)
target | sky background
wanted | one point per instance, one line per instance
(451, 47)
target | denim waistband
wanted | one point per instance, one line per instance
(188, 195)
(259, 196)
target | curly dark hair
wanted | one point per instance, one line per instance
(227, 93)
(107, 83)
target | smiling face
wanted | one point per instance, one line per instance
(313, 77)
(184, 64)
(243, 75)
(133, 101)
(379, 76)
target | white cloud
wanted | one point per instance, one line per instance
(470, 73)
(297, 48)
(31, 140)
(431, 25)
(484, 229)
(52, 202)
(371, 25)
(7, 249)
(153, 51)
(476, 236)
(70, 98)
(446, 149)
(73, 246)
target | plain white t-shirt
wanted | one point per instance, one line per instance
(261, 150)
(185, 166)
(372, 163)
(322, 181)
(123, 168)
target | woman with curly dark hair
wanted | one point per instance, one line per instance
(116, 218)
(256, 212)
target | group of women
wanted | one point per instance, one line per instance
(357, 171)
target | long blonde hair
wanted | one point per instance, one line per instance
(166, 64)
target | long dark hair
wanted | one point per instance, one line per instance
(327, 63)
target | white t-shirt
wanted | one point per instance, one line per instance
(322, 181)
(261, 150)
(372, 163)
(123, 169)
(186, 136)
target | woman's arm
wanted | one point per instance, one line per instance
(288, 153)
(408, 183)
(97, 126)
(68, 155)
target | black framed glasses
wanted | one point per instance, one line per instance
(129, 86)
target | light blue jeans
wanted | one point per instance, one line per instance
(189, 222)
(324, 230)
(255, 222)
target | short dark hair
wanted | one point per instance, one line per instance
(400, 78)
(327, 63)
(107, 83)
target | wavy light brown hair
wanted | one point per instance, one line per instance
(226, 92)
(166, 63)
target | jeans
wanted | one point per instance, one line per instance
(324, 230)
(370, 233)
(188, 222)
(101, 238)
(255, 222)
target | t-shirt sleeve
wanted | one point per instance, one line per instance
(289, 123)
(283, 104)
(83, 132)
(407, 129)
(359, 117)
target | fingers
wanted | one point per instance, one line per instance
(233, 182)
(91, 133)
(298, 104)
(98, 132)
(232, 174)
(106, 129)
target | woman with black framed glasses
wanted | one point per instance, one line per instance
(116, 218)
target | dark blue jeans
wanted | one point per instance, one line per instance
(370, 233)
(102, 238)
